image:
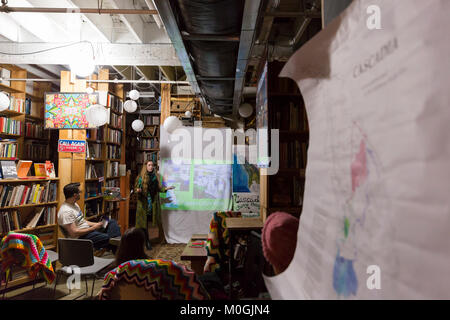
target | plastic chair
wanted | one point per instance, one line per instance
(77, 256)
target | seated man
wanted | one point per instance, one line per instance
(72, 220)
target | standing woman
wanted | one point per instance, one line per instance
(148, 202)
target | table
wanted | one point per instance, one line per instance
(196, 255)
(234, 226)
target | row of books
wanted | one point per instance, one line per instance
(112, 183)
(114, 103)
(92, 208)
(150, 120)
(94, 170)
(24, 169)
(47, 237)
(150, 132)
(10, 126)
(113, 152)
(33, 130)
(16, 104)
(33, 150)
(114, 136)
(13, 220)
(96, 134)
(94, 150)
(29, 106)
(8, 148)
(93, 189)
(18, 195)
(286, 191)
(116, 120)
(149, 143)
(290, 117)
(293, 154)
(144, 156)
(112, 169)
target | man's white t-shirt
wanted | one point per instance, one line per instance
(69, 213)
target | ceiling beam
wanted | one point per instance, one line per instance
(105, 53)
(8, 9)
(169, 72)
(207, 37)
(134, 23)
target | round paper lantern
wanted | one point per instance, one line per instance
(97, 115)
(245, 110)
(137, 125)
(4, 101)
(134, 94)
(82, 67)
(171, 124)
(188, 114)
(89, 90)
(130, 106)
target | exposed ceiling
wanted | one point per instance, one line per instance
(217, 45)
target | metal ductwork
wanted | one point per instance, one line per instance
(216, 42)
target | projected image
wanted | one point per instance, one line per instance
(210, 180)
(197, 187)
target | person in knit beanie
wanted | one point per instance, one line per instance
(279, 239)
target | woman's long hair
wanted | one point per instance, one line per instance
(144, 176)
(131, 246)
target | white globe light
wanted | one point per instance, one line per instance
(245, 110)
(130, 106)
(4, 101)
(171, 124)
(89, 90)
(134, 94)
(97, 115)
(137, 125)
(188, 114)
(82, 67)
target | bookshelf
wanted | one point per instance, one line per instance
(286, 112)
(23, 138)
(105, 151)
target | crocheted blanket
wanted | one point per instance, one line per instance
(217, 245)
(163, 279)
(33, 256)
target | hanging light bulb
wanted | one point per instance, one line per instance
(130, 106)
(97, 115)
(4, 101)
(245, 110)
(137, 125)
(171, 124)
(188, 114)
(89, 90)
(134, 94)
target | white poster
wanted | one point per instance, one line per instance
(376, 216)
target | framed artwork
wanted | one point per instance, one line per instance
(68, 110)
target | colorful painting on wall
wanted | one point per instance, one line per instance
(68, 110)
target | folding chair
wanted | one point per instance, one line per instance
(79, 254)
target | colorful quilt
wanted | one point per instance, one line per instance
(163, 279)
(217, 245)
(34, 257)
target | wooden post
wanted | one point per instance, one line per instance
(165, 102)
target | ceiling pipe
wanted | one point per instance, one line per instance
(102, 81)
(156, 17)
(7, 9)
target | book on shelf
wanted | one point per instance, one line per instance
(113, 152)
(8, 148)
(94, 170)
(152, 143)
(112, 169)
(151, 120)
(114, 136)
(18, 195)
(16, 104)
(9, 126)
(94, 150)
(33, 150)
(33, 130)
(95, 134)
(9, 221)
(50, 169)
(39, 170)
(37, 215)
(5, 74)
(23, 167)
(8, 169)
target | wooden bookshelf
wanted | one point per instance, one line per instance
(107, 138)
(286, 112)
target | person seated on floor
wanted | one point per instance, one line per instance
(71, 219)
(131, 246)
(279, 240)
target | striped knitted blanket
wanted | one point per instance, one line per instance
(162, 279)
(217, 245)
(30, 251)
